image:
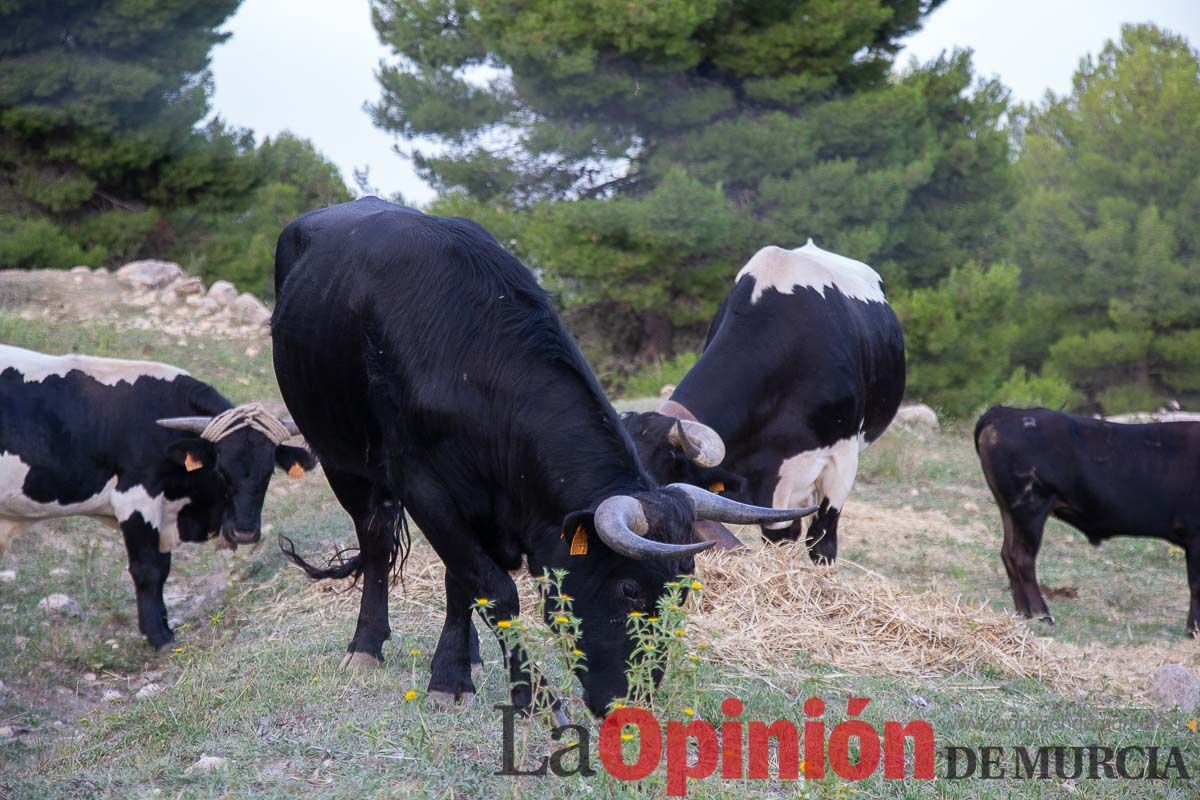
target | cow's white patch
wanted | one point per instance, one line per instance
(36, 367)
(811, 267)
(826, 473)
(17, 511)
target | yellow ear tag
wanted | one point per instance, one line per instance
(192, 464)
(296, 472)
(718, 486)
(579, 542)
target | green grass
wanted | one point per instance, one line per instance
(256, 678)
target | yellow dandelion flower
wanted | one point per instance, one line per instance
(566, 598)
(651, 619)
(697, 585)
(414, 652)
(626, 737)
(649, 647)
(703, 645)
(680, 632)
(411, 694)
(635, 613)
(690, 712)
(561, 620)
(178, 649)
(482, 601)
(577, 652)
(504, 623)
(618, 706)
(694, 658)
(802, 770)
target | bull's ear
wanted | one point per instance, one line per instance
(295, 461)
(193, 453)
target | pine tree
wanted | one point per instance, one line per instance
(99, 100)
(637, 154)
(1109, 223)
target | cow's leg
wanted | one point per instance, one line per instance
(1193, 569)
(834, 485)
(1022, 539)
(374, 522)
(451, 679)
(795, 483)
(149, 569)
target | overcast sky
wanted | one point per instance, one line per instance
(309, 65)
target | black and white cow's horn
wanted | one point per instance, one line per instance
(621, 524)
(721, 509)
(189, 424)
(699, 442)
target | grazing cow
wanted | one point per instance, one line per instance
(1102, 478)
(430, 373)
(802, 368)
(142, 446)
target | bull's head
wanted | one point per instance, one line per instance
(225, 469)
(644, 541)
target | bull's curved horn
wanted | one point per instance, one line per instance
(621, 524)
(699, 442)
(189, 424)
(721, 509)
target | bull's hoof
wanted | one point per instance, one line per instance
(1046, 618)
(450, 699)
(360, 660)
(166, 647)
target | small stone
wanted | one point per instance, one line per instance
(8, 575)
(1175, 686)
(252, 351)
(208, 763)
(249, 310)
(223, 292)
(149, 274)
(89, 677)
(914, 492)
(21, 642)
(969, 506)
(111, 696)
(149, 690)
(60, 605)
(187, 286)
(917, 416)
(58, 572)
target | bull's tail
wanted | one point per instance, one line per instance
(386, 522)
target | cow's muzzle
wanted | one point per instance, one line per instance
(243, 536)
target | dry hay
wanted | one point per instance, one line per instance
(772, 609)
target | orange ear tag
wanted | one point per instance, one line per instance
(579, 542)
(718, 486)
(192, 464)
(296, 472)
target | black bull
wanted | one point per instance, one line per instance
(1102, 478)
(431, 374)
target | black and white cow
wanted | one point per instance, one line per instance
(1102, 478)
(141, 446)
(429, 370)
(802, 368)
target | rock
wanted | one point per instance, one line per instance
(111, 696)
(208, 764)
(8, 575)
(167, 298)
(969, 506)
(89, 677)
(60, 605)
(149, 690)
(1175, 686)
(58, 572)
(252, 351)
(102, 271)
(21, 642)
(185, 287)
(150, 274)
(223, 292)
(81, 270)
(917, 416)
(249, 310)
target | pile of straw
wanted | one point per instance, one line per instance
(772, 609)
